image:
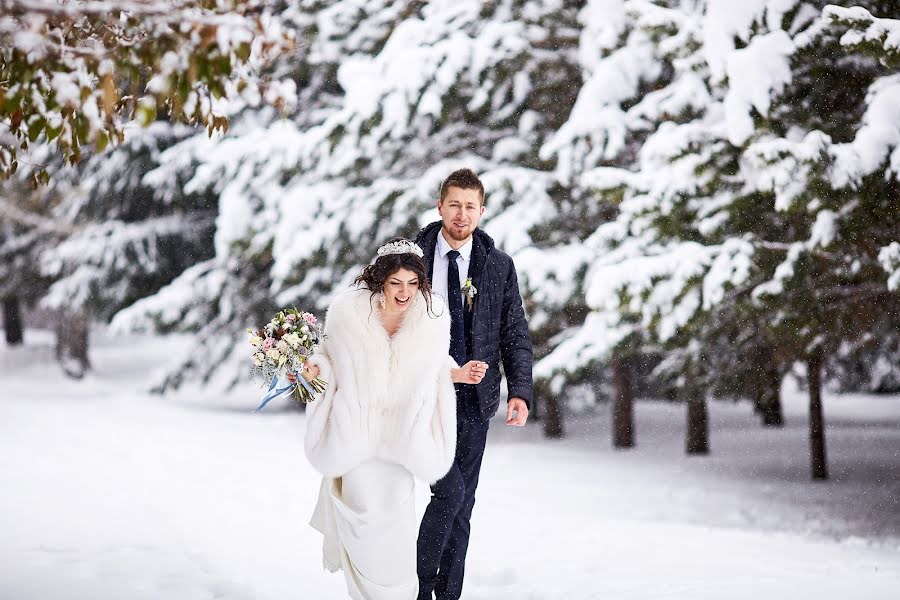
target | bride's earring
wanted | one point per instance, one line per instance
(383, 301)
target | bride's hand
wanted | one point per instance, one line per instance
(472, 372)
(309, 373)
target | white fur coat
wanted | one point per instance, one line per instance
(387, 397)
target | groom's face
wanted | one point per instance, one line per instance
(461, 212)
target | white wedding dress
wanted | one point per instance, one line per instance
(368, 521)
(388, 415)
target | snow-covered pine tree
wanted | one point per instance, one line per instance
(633, 83)
(839, 115)
(605, 129)
(25, 229)
(125, 239)
(871, 361)
(393, 96)
(770, 196)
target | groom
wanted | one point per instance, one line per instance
(487, 324)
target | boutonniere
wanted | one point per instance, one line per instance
(469, 290)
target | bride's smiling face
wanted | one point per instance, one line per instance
(400, 290)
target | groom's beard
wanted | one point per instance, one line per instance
(459, 235)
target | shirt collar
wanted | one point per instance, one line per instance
(465, 251)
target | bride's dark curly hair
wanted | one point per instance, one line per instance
(374, 276)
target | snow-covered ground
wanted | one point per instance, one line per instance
(109, 493)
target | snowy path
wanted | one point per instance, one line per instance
(109, 493)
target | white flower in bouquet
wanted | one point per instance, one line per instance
(292, 339)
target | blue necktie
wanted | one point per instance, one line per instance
(457, 319)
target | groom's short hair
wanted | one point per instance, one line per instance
(465, 179)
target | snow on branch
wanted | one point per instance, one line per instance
(11, 212)
(185, 304)
(118, 245)
(755, 74)
(74, 73)
(595, 340)
(877, 141)
(597, 129)
(889, 257)
(784, 167)
(865, 33)
(101, 264)
(726, 22)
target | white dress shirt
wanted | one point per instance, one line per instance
(441, 264)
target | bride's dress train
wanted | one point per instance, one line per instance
(368, 520)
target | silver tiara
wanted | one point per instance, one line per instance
(401, 247)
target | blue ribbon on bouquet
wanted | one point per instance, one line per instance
(271, 395)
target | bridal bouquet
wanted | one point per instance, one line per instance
(283, 346)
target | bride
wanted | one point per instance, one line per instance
(387, 416)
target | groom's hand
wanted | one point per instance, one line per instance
(516, 412)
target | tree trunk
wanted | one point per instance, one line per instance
(12, 320)
(697, 423)
(623, 404)
(770, 392)
(536, 412)
(552, 418)
(816, 419)
(72, 344)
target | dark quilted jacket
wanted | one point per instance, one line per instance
(497, 327)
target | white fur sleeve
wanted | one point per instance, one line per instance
(319, 410)
(333, 441)
(433, 441)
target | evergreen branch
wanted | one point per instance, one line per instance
(865, 33)
(30, 219)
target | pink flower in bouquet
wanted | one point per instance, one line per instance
(309, 318)
(291, 317)
(268, 344)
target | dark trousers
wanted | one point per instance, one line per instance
(444, 532)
